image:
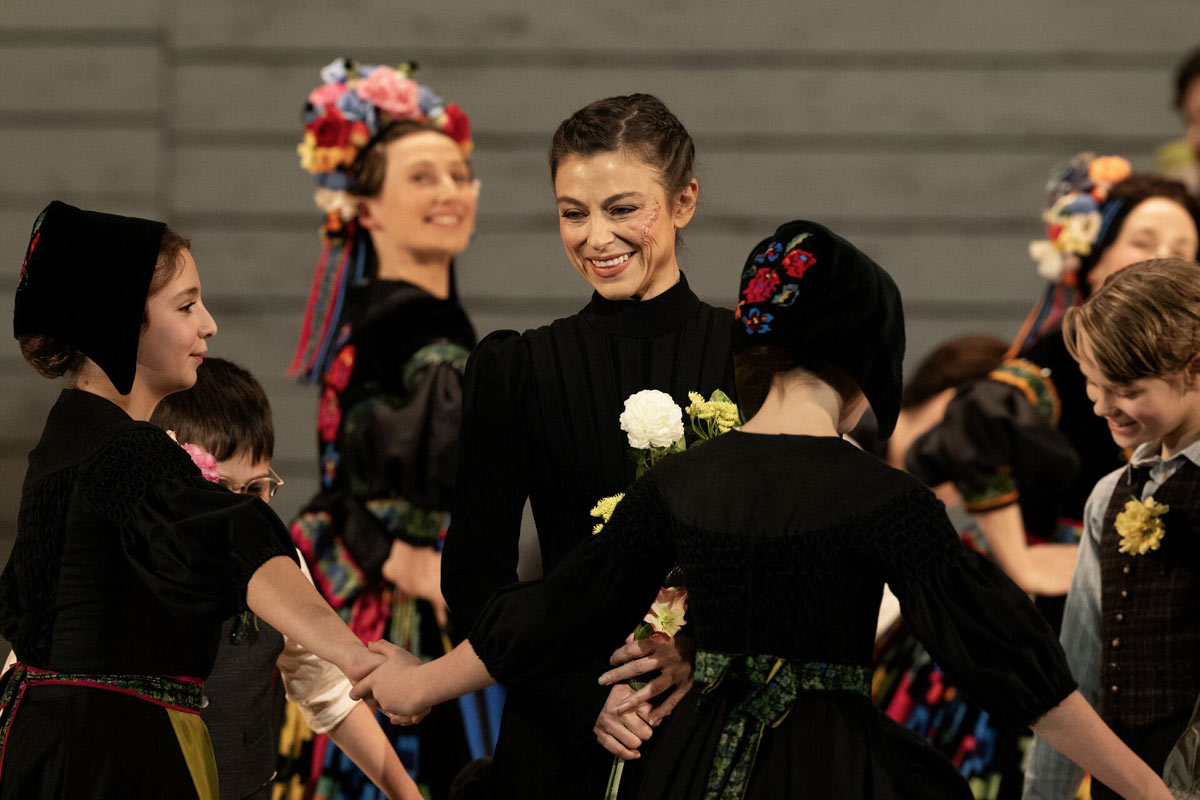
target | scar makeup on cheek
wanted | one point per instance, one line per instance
(651, 218)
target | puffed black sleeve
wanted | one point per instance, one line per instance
(594, 597)
(481, 547)
(193, 543)
(407, 444)
(996, 439)
(975, 622)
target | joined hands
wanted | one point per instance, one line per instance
(392, 684)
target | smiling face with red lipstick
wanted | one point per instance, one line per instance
(618, 223)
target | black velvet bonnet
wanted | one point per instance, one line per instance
(84, 282)
(809, 291)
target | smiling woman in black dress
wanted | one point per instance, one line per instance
(541, 409)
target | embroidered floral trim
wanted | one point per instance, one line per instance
(338, 375)
(437, 353)
(1140, 526)
(1034, 383)
(1000, 489)
(401, 518)
(178, 693)
(334, 571)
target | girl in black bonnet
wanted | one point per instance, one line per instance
(786, 534)
(127, 559)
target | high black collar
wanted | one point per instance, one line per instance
(642, 319)
(78, 424)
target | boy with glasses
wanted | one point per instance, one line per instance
(228, 416)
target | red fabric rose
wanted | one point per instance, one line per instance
(330, 129)
(797, 261)
(762, 285)
(457, 125)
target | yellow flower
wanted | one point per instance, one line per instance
(1141, 526)
(727, 416)
(700, 408)
(604, 510)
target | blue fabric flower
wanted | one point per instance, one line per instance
(355, 109)
(430, 102)
(337, 180)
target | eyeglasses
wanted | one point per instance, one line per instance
(263, 487)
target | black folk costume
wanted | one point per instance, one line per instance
(388, 357)
(125, 566)
(388, 436)
(541, 421)
(127, 560)
(786, 542)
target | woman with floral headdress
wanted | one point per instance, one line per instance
(787, 534)
(1099, 220)
(385, 339)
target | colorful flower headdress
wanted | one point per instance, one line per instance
(1076, 218)
(1075, 193)
(344, 115)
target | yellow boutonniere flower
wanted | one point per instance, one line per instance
(1141, 526)
(604, 510)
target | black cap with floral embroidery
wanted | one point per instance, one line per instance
(84, 282)
(812, 292)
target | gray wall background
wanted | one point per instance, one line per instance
(922, 130)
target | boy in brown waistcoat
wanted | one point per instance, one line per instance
(1131, 629)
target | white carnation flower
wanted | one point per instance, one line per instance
(652, 419)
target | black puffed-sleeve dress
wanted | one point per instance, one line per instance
(786, 542)
(541, 421)
(126, 563)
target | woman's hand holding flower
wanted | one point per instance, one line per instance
(671, 657)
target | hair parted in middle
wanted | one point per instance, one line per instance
(226, 413)
(638, 122)
(1144, 322)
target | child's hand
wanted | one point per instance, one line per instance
(393, 687)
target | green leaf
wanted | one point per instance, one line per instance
(644, 630)
(719, 397)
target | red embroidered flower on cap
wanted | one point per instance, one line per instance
(797, 262)
(762, 285)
